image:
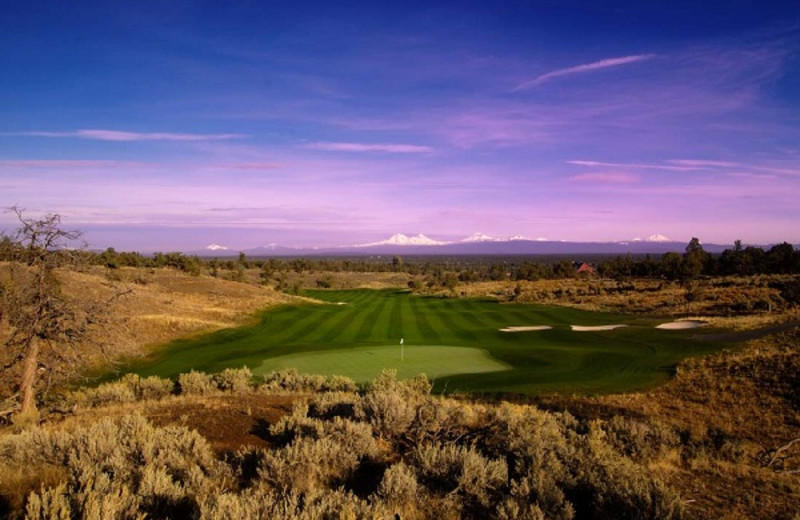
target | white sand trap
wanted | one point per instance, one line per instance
(682, 325)
(527, 328)
(587, 328)
(341, 303)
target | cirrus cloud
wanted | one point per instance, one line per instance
(605, 178)
(117, 135)
(64, 163)
(369, 147)
(580, 69)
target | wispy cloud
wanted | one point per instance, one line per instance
(249, 166)
(580, 69)
(793, 170)
(639, 166)
(116, 135)
(368, 147)
(606, 178)
(702, 163)
(68, 163)
(688, 165)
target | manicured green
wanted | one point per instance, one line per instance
(345, 335)
(364, 363)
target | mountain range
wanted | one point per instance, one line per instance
(475, 244)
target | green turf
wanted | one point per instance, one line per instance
(363, 364)
(630, 358)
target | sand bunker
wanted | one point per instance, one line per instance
(585, 328)
(527, 328)
(682, 325)
(341, 303)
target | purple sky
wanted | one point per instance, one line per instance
(172, 125)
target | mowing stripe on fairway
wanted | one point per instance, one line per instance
(371, 318)
(294, 321)
(395, 329)
(338, 333)
(380, 330)
(456, 323)
(427, 331)
(350, 334)
(326, 331)
(478, 314)
(411, 328)
(559, 359)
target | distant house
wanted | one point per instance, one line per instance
(585, 269)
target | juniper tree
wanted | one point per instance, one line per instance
(40, 323)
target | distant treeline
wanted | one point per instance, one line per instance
(742, 261)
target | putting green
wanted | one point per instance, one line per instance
(466, 349)
(363, 364)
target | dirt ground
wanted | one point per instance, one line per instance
(228, 422)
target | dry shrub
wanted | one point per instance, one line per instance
(107, 393)
(456, 469)
(516, 510)
(235, 380)
(447, 459)
(49, 504)
(308, 464)
(296, 424)
(334, 404)
(390, 406)
(316, 452)
(119, 469)
(638, 439)
(264, 502)
(399, 486)
(536, 494)
(534, 438)
(616, 487)
(154, 387)
(290, 380)
(129, 388)
(196, 383)
(336, 383)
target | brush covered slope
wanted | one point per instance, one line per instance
(142, 307)
(719, 441)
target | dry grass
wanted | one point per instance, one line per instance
(349, 280)
(165, 304)
(713, 299)
(149, 307)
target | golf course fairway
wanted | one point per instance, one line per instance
(457, 342)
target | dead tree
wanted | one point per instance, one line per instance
(39, 320)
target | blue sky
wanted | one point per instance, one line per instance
(171, 125)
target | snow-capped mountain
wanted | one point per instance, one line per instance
(476, 244)
(480, 237)
(522, 238)
(400, 239)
